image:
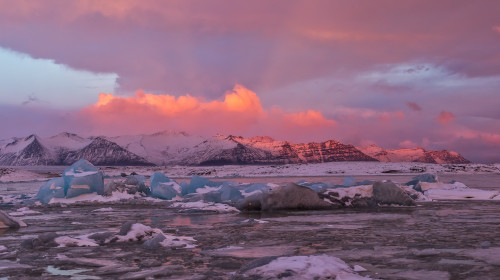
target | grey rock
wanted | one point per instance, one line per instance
(389, 193)
(154, 243)
(6, 221)
(126, 228)
(293, 197)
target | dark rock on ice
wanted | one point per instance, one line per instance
(6, 221)
(389, 193)
(155, 242)
(102, 237)
(125, 228)
(293, 196)
(43, 240)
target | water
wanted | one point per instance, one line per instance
(435, 240)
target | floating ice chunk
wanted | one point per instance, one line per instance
(153, 237)
(428, 178)
(106, 209)
(252, 189)
(157, 178)
(230, 193)
(53, 188)
(162, 187)
(93, 197)
(137, 232)
(317, 187)
(206, 206)
(302, 267)
(81, 241)
(135, 180)
(166, 190)
(455, 191)
(82, 177)
(198, 182)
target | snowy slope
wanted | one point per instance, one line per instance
(412, 155)
(179, 148)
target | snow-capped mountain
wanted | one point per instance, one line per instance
(412, 155)
(180, 148)
(65, 149)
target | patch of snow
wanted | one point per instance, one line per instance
(178, 241)
(207, 189)
(209, 206)
(3, 248)
(138, 232)
(306, 267)
(80, 241)
(255, 221)
(456, 191)
(107, 209)
(362, 191)
(93, 197)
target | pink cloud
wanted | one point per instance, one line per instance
(408, 144)
(240, 112)
(445, 117)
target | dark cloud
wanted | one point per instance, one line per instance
(414, 106)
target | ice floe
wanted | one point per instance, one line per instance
(300, 267)
(83, 182)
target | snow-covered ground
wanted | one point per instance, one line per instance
(31, 173)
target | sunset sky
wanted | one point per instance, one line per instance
(392, 73)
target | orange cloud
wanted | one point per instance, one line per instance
(496, 28)
(310, 118)
(239, 112)
(445, 117)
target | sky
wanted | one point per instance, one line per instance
(398, 74)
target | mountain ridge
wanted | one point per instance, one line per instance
(180, 148)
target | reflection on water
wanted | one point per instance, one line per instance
(252, 252)
(193, 220)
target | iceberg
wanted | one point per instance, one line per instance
(427, 178)
(53, 188)
(164, 188)
(198, 182)
(82, 177)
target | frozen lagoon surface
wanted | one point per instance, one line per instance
(448, 239)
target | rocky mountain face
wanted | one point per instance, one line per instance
(179, 148)
(413, 155)
(265, 150)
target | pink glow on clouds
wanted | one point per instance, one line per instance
(317, 70)
(445, 117)
(239, 112)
